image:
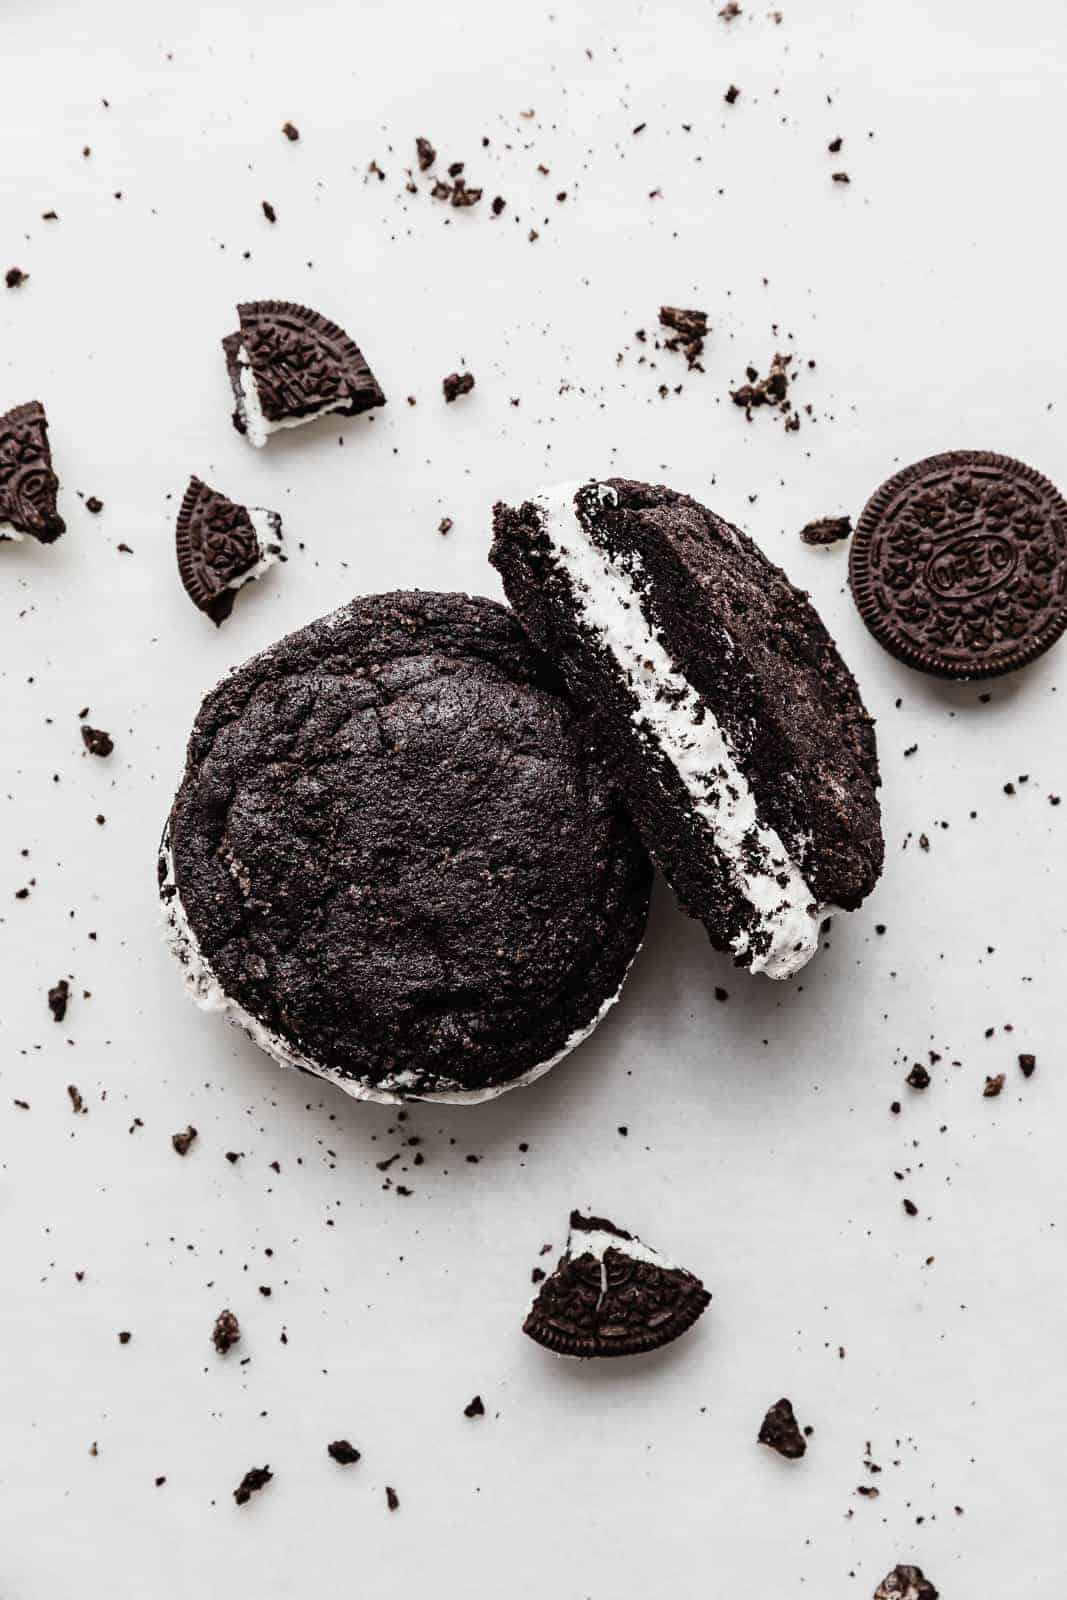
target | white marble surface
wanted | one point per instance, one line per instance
(761, 1149)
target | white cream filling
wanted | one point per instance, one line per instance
(205, 991)
(669, 712)
(9, 532)
(258, 426)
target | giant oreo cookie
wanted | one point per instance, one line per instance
(743, 746)
(396, 858)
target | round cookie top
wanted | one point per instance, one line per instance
(396, 857)
(959, 564)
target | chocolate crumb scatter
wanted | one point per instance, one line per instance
(910, 1207)
(780, 1431)
(291, 131)
(474, 1408)
(455, 384)
(918, 1077)
(94, 505)
(125, 1336)
(392, 1499)
(826, 530)
(445, 525)
(269, 211)
(14, 277)
(773, 391)
(226, 1332)
(841, 177)
(345, 1454)
(58, 996)
(97, 741)
(993, 1086)
(182, 1142)
(732, 94)
(254, 1479)
(689, 329)
(1027, 1064)
(426, 154)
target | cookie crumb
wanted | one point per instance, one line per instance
(993, 1086)
(474, 1408)
(97, 741)
(58, 996)
(226, 1332)
(826, 530)
(342, 1452)
(457, 383)
(392, 1499)
(182, 1142)
(780, 1430)
(255, 1478)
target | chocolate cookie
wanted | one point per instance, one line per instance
(905, 1583)
(740, 738)
(28, 485)
(396, 858)
(611, 1295)
(289, 365)
(959, 564)
(222, 546)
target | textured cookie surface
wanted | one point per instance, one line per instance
(747, 756)
(398, 855)
(612, 1295)
(959, 564)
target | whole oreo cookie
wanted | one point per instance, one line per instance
(959, 564)
(396, 857)
(612, 1295)
(740, 738)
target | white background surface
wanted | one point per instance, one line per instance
(761, 1148)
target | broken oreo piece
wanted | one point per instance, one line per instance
(222, 546)
(780, 1430)
(742, 745)
(289, 365)
(905, 1583)
(611, 1295)
(227, 1330)
(959, 564)
(28, 485)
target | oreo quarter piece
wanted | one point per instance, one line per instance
(959, 564)
(744, 749)
(612, 1295)
(289, 365)
(905, 1583)
(28, 484)
(222, 546)
(396, 857)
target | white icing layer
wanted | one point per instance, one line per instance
(9, 532)
(596, 1242)
(669, 712)
(258, 426)
(206, 991)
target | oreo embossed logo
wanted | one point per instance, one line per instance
(959, 564)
